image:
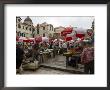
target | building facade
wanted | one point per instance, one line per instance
(58, 31)
(26, 28)
(44, 30)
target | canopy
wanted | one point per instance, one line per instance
(41, 39)
(68, 38)
(38, 39)
(22, 39)
(45, 39)
(67, 30)
(25, 39)
(80, 35)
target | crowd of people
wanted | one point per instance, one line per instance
(60, 47)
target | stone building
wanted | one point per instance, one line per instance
(58, 31)
(26, 28)
(44, 30)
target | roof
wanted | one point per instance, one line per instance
(28, 19)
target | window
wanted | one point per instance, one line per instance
(22, 34)
(43, 28)
(52, 28)
(37, 31)
(19, 26)
(33, 35)
(30, 29)
(26, 28)
(18, 20)
(43, 34)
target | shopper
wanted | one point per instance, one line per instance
(64, 45)
(87, 58)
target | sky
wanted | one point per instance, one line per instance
(80, 22)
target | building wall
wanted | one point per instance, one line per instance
(58, 31)
(44, 28)
(24, 30)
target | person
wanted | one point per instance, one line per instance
(19, 57)
(41, 47)
(87, 58)
(60, 48)
(64, 46)
(51, 45)
(35, 51)
(54, 49)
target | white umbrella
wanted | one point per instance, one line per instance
(45, 39)
(85, 40)
(72, 40)
(55, 40)
(78, 39)
(61, 40)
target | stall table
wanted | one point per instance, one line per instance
(70, 54)
(45, 56)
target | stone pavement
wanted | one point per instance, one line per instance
(59, 62)
(56, 65)
(42, 70)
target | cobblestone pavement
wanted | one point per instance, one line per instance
(42, 70)
(58, 61)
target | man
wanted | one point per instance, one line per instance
(60, 48)
(87, 58)
(19, 57)
(64, 46)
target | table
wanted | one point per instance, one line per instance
(45, 56)
(51, 53)
(70, 54)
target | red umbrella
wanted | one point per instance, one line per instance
(80, 35)
(67, 30)
(26, 40)
(38, 39)
(68, 38)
